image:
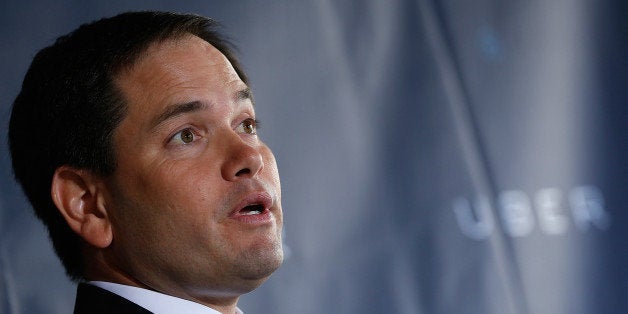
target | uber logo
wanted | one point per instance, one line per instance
(554, 212)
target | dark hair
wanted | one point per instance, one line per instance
(69, 107)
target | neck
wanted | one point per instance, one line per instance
(100, 268)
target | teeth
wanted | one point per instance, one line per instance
(253, 212)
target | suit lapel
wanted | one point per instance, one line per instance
(94, 300)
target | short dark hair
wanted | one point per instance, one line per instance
(69, 107)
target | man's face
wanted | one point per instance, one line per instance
(195, 200)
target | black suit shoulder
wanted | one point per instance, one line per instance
(94, 300)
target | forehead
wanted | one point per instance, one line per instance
(172, 50)
(175, 70)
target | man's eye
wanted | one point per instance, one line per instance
(248, 126)
(184, 137)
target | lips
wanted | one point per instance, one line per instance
(255, 207)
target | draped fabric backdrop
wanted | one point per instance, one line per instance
(436, 156)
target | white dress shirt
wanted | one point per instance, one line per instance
(156, 302)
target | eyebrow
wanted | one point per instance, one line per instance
(177, 110)
(245, 94)
(183, 108)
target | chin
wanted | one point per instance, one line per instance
(260, 265)
(253, 269)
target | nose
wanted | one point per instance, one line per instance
(243, 160)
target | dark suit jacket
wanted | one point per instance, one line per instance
(93, 300)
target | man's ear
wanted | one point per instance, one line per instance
(78, 197)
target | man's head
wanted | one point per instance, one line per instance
(134, 139)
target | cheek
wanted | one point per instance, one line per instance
(169, 180)
(163, 213)
(151, 198)
(185, 184)
(271, 169)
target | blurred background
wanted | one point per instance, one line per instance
(436, 156)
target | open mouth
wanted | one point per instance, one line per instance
(253, 209)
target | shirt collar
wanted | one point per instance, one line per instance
(154, 301)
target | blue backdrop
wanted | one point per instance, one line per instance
(436, 156)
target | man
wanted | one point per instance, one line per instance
(135, 140)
